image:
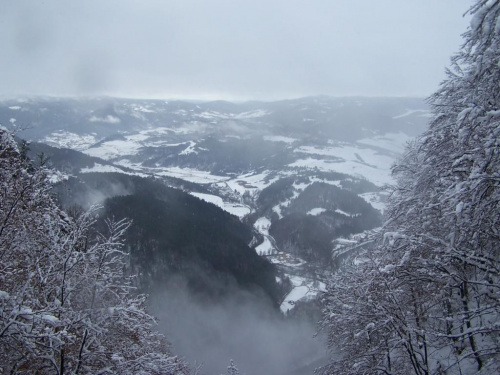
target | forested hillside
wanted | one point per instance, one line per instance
(174, 234)
(66, 299)
(426, 299)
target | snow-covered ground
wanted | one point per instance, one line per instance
(190, 149)
(236, 209)
(65, 139)
(227, 116)
(377, 200)
(277, 209)
(266, 247)
(116, 148)
(303, 289)
(191, 175)
(262, 224)
(99, 168)
(279, 138)
(395, 142)
(421, 112)
(316, 211)
(250, 182)
(359, 161)
(55, 176)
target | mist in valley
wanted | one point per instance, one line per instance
(244, 327)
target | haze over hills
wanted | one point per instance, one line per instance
(149, 134)
(302, 178)
(231, 154)
(281, 167)
(349, 118)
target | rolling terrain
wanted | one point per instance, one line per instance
(304, 175)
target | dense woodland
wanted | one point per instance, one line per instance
(310, 236)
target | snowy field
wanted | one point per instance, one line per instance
(376, 200)
(279, 138)
(394, 142)
(65, 139)
(235, 209)
(421, 112)
(99, 168)
(262, 225)
(227, 116)
(358, 161)
(265, 248)
(116, 148)
(190, 175)
(316, 211)
(250, 182)
(302, 289)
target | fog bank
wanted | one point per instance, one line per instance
(243, 328)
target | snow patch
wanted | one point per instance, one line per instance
(235, 209)
(56, 176)
(189, 174)
(65, 139)
(377, 200)
(109, 119)
(277, 209)
(265, 248)
(50, 318)
(262, 225)
(316, 211)
(394, 142)
(251, 182)
(422, 113)
(99, 168)
(349, 159)
(279, 138)
(190, 149)
(113, 149)
(302, 289)
(344, 213)
(251, 114)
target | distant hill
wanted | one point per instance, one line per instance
(348, 119)
(305, 176)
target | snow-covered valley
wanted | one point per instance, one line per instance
(234, 156)
(284, 170)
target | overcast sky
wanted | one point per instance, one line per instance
(229, 49)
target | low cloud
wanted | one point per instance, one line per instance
(243, 327)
